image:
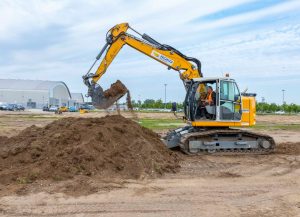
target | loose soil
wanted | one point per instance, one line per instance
(116, 89)
(110, 147)
(288, 148)
(206, 185)
(110, 96)
(128, 101)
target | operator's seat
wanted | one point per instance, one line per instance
(211, 110)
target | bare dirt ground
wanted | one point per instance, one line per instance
(207, 185)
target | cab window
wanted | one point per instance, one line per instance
(203, 109)
(230, 103)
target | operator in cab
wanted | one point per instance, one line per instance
(208, 103)
(210, 97)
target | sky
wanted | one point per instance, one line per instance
(256, 42)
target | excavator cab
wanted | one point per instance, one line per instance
(210, 123)
(225, 105)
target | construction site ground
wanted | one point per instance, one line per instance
(205, 185)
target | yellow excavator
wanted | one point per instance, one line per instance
(209, 125)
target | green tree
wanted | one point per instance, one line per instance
(148, 103)
(273, 108)
(159, 104)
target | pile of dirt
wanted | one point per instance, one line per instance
(110, 147)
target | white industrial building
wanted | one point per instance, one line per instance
(77, 98)
(36, 93)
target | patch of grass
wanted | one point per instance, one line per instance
(161, 124)
(39, 117)
(31, 117)
(295, 127)
(272, 114)
(27, 179)
(145, 111)
(23, 180)
(57, 178)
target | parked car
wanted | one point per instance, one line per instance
(91, 107)
(20, 107)
(83, 107)
(45, 108)
(14, 107)
(3, 107)
(53, 108)
(73, 109)
(11, 107)
(87, 107)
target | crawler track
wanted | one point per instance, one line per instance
(196, 140)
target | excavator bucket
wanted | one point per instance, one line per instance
(104, 99)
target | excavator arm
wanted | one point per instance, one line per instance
(116, 38)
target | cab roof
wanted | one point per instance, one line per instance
(213, 79)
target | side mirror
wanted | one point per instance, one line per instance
(174, 107)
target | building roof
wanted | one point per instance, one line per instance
(78, 97)
(19, 84)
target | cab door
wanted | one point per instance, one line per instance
(230, 101)
(189, 103)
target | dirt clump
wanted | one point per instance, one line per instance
(128, 102)
(109, 147)
(103, 100)
(115, 90)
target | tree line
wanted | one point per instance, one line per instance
(154, 104)
(261, 107)
(272, 108)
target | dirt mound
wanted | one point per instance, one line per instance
(112, 146)
(288, 148)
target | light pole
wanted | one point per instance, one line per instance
(283, 102)
(23, 101)
(165, 96)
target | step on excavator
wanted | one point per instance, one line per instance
(215, 109)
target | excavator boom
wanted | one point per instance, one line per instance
(187, 67)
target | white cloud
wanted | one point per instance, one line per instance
(250, 16)
(18, 17)
(258, 53)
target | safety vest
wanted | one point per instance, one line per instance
(209, 97)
